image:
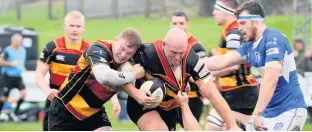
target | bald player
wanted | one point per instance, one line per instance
(12, 61)
(174, 62)
(59, 57)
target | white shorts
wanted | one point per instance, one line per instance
(292, 120)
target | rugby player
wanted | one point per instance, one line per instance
(93, 81)
(280, 104)
(13, 60)
(180, 20)
(59, 57)
(237, 85)
(174, 62)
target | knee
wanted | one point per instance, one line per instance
(23, 94)
(4, 98)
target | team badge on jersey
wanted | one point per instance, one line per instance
(257, 56)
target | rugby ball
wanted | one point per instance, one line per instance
(157, 89)
(125, 67)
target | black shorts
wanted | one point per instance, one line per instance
(60, 119)
(8, 83)
(135, 112)
(196, 106)
(242, 100)
(46, 115)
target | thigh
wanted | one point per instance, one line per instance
(60, 119)
(146, 119)
(98, 121)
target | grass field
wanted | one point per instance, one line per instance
(151, 29)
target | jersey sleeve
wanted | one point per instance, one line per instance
(199, 70)
(275, 49)
(4, 55)
(233, 39)
(199, 49)
(98, 54)
(47, 53)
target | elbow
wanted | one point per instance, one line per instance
(236, 67)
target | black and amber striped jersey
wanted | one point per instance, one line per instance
(153, 59)
(196, 46)
(61, 57)
(201, 52)
(81, 93)
(231, 39)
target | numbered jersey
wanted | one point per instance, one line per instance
(274, 46)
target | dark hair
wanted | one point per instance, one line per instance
(180, 14)
(230, 3)
(299, 40)
(252, 7)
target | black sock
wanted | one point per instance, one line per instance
(1, 105)
(19, 102)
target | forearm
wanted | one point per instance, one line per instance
(42, 83)
(107, 76)
(215, 63)
(225, 71)
(4, 63)
(130, 89)
(189, 121)
(213, 95)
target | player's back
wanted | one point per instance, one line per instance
(274, 46)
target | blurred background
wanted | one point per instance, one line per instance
(40, 21)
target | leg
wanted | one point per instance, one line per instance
(21, 87)
(6, 88)
(214, 121)
(60, 119)
(20, 101)
(97, 122)
(157, 124)
(147, 119)
(46, 115)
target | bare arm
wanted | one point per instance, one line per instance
(41, 70)
(220, 62)
(189, 121)
(267, 88)
(3, 61)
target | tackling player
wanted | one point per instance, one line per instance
(180, 20)
(237, 85)
(93, 81)
(280, 105)
(174, 62)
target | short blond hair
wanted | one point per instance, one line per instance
(74, 14)
(132, 36)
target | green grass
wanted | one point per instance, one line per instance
(151, 29)
(117, 126)
(35, 15)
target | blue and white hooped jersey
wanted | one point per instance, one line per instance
(274, 46)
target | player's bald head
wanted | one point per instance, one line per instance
(177, 38)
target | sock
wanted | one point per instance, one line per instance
(19, 102)
(1, 105)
